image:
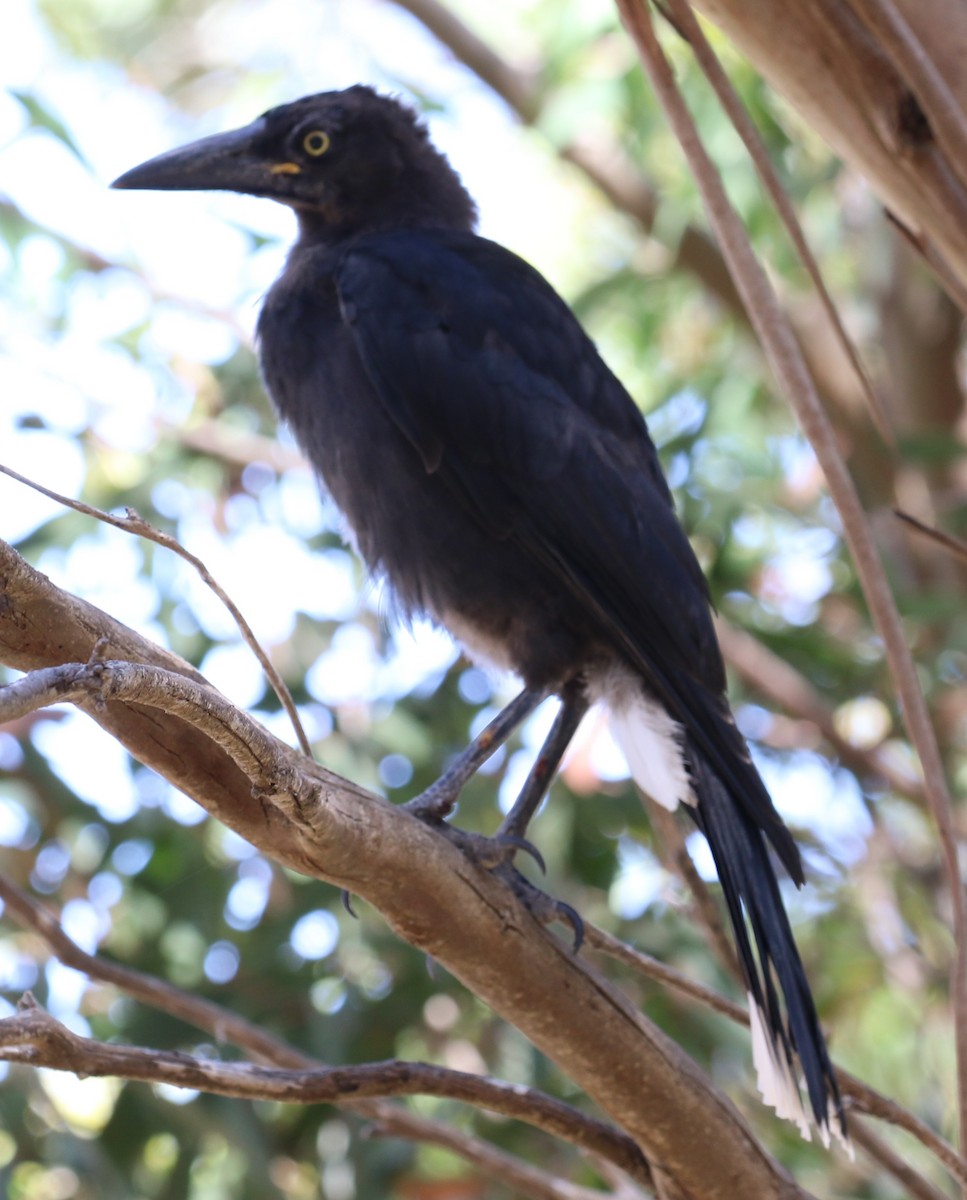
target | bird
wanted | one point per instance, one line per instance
(496, 473)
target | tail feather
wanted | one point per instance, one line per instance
(786, 1036)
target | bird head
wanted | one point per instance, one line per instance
(347, 162)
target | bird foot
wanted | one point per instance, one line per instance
(496, 854)
(492, 852)
(547, 909)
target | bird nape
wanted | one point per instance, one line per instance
(499, 476)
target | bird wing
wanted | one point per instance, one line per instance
(487, 372)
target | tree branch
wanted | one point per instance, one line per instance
(687, 24)
(35, 1037)
(946, 117)
(312, 821)
(524, 1179)
(861, 1096)
(707, 914)
(873, 1103)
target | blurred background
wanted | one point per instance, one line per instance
(127, 377)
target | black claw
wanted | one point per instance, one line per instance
(347, 902)
(575, 920)
(519, 843)
(495, 854)
(546, 908)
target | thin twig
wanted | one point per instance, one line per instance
(136, 524)
(955, 545)
(743, 125)
(948, 278)
(707, 913)
(790, 370)
(881, 1152)
(221, 1023)
(874, 1104)
(672, 978)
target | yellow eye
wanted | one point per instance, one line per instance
(316, 143)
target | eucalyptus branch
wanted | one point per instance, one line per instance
(705, 911)
(861, 1096)
(790, 370)
(483, 934)
(874, 1104)
(946, 273)
(675, 980)
(136, 524)
(221, 1023)
(955, 545)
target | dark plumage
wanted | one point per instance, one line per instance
(501, 478)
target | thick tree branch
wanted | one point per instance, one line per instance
(310, 820)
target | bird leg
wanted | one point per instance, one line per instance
(574, 704)
(440, 798)
(496, 853)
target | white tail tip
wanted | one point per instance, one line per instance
(780, 1089)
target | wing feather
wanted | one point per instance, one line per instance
(507, 399)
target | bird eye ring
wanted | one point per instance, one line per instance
(316, 143)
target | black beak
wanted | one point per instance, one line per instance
(227, 162)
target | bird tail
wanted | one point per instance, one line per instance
(786, 1037)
